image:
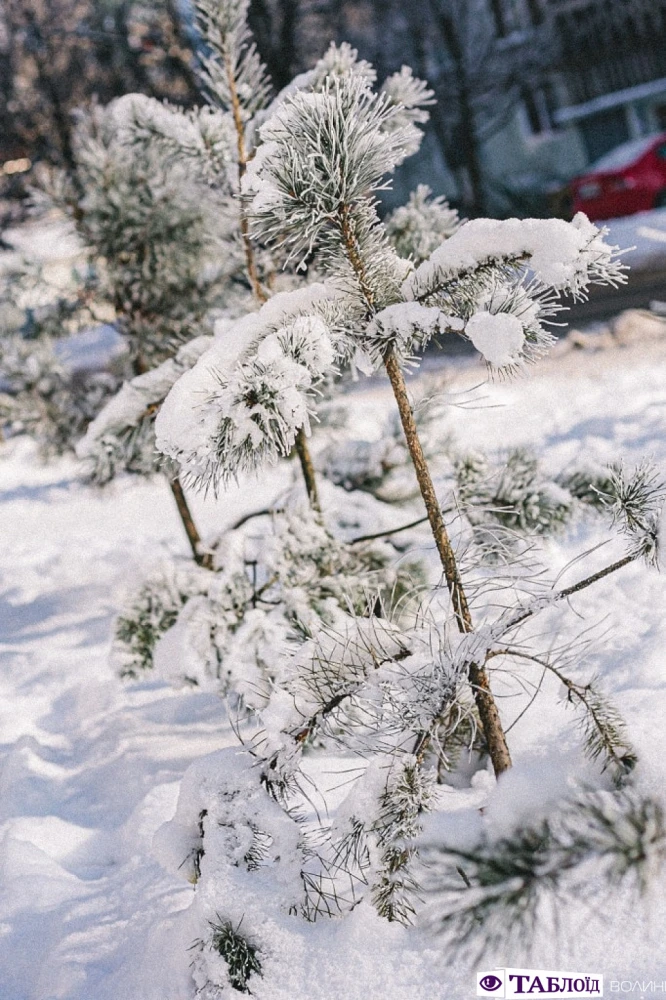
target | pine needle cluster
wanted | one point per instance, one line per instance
(491, 895)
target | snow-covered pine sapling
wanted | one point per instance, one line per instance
(312, 183)
(216, 141)
(149, 232)
(393, 694)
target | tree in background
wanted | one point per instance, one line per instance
(58, 55)
(478, 63)
(486, 58)
(289, 34)
(151, 262)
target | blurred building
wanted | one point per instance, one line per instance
(604, 83)
(528, 92)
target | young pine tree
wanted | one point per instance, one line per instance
(159, 266)
(208, 627)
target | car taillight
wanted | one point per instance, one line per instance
(591, 189)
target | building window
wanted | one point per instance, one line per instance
(539, 105)
(535, 12)
(497, 8)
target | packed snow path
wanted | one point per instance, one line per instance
(90, 767)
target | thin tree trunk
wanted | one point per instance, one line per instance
(478, 678)
(463, 137)
(201, 558)
(485, 702)
(303, 452)
(250, 261)
(50, 91)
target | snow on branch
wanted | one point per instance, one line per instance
(338, 61)
(565, 256)
(246, 855)
(491, 894)
(122, 435)
(411, 97)
(322, 158)
(250, 393)
(375, 831)
(231, 631)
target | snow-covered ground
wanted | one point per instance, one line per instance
(645, 232)
(90, 767)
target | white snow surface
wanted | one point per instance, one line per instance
(90, 768)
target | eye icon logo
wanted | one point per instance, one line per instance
(491, 984)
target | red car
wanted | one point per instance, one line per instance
(631, 178)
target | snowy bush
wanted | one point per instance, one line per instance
(229, 631)
(44, 397)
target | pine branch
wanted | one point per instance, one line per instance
(241, 957)
(635, 502)
(605, 732)
(390, 531)
(561, 595)
(237, 65)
